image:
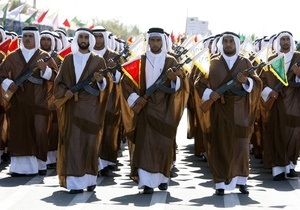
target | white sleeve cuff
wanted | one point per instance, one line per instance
(206, 94)
(6, 83)
(47, 74)
(265, 93)
(132, 98)
(176, 84)
(117, 77)
(103, 85)
(249, 87)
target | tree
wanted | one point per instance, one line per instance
(117, 28)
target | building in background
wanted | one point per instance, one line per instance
(196, 27)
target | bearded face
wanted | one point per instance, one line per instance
(229, 46)
(83, 45)
(83, 41)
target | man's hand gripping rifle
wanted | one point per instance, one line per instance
(158, 84)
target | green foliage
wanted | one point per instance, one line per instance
(16, 3)
(118, 29)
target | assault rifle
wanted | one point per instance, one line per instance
(222, 89)
(182, 51)
(19, 81)
(269, 103)
(80, 85)
(61, 101)
(159, 83)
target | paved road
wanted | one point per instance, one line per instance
(191, 188)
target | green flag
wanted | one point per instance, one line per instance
(4, 10)
(277, 67)
(77, 22)
(31, 18)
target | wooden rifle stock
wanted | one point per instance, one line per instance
(19, 81)
(206, 105)
(269, 103)
(137, 108)
(9, 93)
(60, 101)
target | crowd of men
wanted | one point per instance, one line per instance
(69, 103)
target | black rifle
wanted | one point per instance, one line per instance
(227, 86)
(159, 83)
(80, 85)
(19, 81)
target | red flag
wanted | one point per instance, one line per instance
(4, 46)
(178, 40)
(67, 23)
(132, 70)
(92, 26)
(172, 36)
(14, 45)
(64, 52)
(42, 16)
(129, 40)
(196, 39)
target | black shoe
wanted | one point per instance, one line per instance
(104, 171)
(243, 189)
(91, 188)
(292, 174)
(5, 158)
(163, 186)
(17, 174)
(75, 191)
(219, 192)
(148, 190)
(279, 177)
(203, 158)
(112, 167)
(51, 166)
(42, 172)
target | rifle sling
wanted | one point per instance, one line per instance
(294, 84)
(166, 89)
(80, 85)
(35, 80)
(155, 86)
(238, 91)
(91, 90)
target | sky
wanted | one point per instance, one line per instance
(261, 17)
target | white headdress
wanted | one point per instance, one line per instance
(236, 40)
(277, 46)
(35, 31)
(49, 34)
(92, 41)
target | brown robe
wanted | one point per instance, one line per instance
(152, 132)
(195, 116)
(231, 123)
(110, 136)
(80, 121)
(29, 108)
(282, 122)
